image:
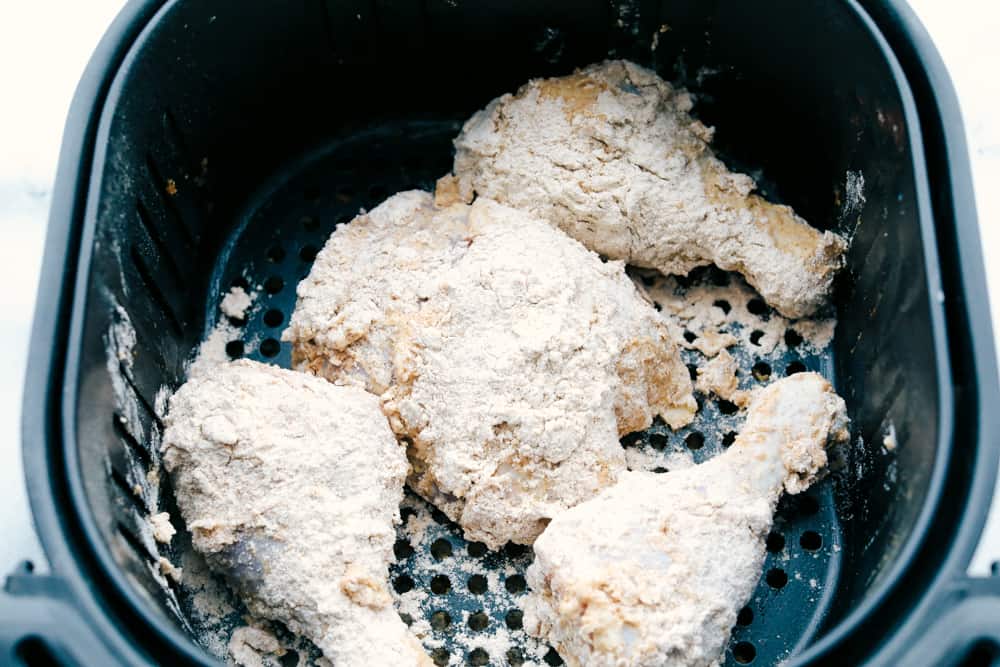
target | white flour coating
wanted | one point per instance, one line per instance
(704, 309)
(611, 155)
(291, 487)
(163, 530)
(653, 571)
(249, 645)
(508, 357)
(236, 302)
(212, 352)
(718, 376)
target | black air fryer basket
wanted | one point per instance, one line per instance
(218, 143)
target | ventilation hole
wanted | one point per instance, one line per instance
(291, 658)
(811, 540)
(792, 338)
(552, 658)
(270, 347)
(631, 439)
(719, 277)
(755, 336)
(744, 653)
(311, 192)
(402, 549)
(515, 550)
(658, 440)
(234, 349)
(440, 656)
(34, 652)
(476, 549)
(776, 578)
(761, 371)
(309, 223)
(477, 584)
(441, 548)
(604, 259)
(440, 620)
(479, 656)
(440, 584)
(439, 517)
(405, 618)
(757, 306)
(275, 254)
(478, 621)
(690, 336)
(660, 470)
(274, 284)
(728, 439)
(403, 583)
(775, 542)
(236, 321)
(693, 372)
(406, 513)
(514, 619)
(657, 306)
(515, 584)
(745, 617)
(308, 253)
(694, 440)
(274, 318)
(727, 407)
(722, 305)
(795, 367)
(808, 505)
(514, 657)
(377, 192)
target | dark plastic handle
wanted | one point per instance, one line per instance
(40, 625)
(967, 630)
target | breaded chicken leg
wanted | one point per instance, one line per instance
(291, 487)
(611, 156)
(653, 571)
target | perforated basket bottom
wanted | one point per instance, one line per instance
(462, 596)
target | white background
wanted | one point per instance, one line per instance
(44, 45)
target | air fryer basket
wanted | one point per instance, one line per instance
(219, 143)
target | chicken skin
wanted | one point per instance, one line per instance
(653, 571)
(612, 157)
(291, 487)
(508, 357)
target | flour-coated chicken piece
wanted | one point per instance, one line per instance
(291, 487)
(653, 571)
(508, 357)
(611, 156)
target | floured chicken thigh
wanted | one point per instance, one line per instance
(654, 570)
(509, 358)
(291, 487)
(611, 156)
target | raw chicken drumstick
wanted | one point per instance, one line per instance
(291, 487)
(611, 156)
(508, 357)
(653, 571)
